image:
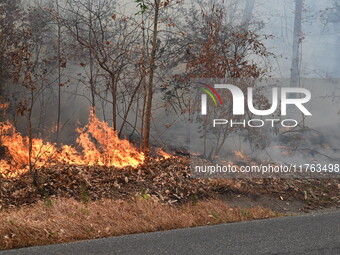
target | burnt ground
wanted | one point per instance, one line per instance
(170, 181)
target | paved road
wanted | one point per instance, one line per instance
(307, 234)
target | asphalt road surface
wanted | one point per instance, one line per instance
(307, 234)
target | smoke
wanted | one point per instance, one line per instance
(319, 59)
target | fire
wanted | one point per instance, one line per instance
(101, 146)
(241, 155)
(17, 155)
(163, 153)
(4, 106)
(98, 144)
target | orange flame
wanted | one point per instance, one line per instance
(98, 144)
(241, 155)
(163, 154)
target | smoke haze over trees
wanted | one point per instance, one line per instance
(132, 61)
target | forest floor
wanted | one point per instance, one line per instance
(71, 203)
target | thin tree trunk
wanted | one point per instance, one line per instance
(143, 74)
(59, 71)
(114, 102)
(129, 106)
(150, 85)
(92, 85)
(297, 37)
(143, 115)
(31, 167)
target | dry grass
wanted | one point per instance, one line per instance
(65, 220)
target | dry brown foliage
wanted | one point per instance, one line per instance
(168, 179)
(65, 220)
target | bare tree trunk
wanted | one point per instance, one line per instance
(143, 115)
(114, 102)
(59, 70)
(297, 37)
(92, 85)
(33, 172)
(143, 75)
(151, 76)
(129, 106)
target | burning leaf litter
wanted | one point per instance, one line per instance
(99, 145)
